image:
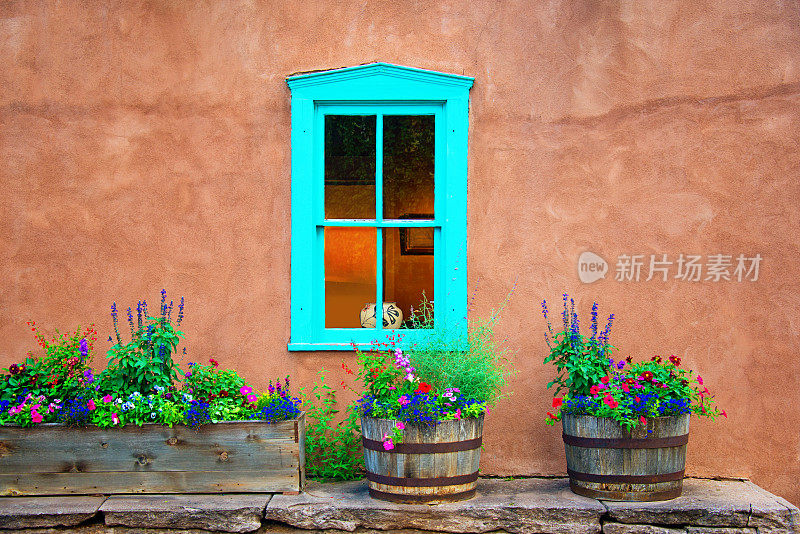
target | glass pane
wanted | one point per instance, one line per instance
(408, 166)
(349, 167)
(408, 275)
(350, 279)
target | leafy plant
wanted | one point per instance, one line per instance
(62, 371)
(580, 361)
(333, 450)
(630, 395)
(145, 361)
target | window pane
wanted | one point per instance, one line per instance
(408, 274)
(408, 166)
(350, 279)
(349, 167)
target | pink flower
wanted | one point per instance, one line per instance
(391, 388)
(114, 418)
(251, 398)
(35, 417)
(625, 387)
(700, 380)
(16, 409)
(604, 380)
(246, 390)
(458, 414)
(108, 398)
(610, 402)
(400, 425)
(387, 442)
(724, 414)
(91, 405)
(403, 400)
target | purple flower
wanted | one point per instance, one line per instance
(88, 376)
(621, 364)
(84, 347)
(180, 312)
(187, 374)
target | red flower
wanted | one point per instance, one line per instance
(604, 380)
(629, 359)
(557, 402)
(423, 388)
(594, 390)
(724, 414)
(610, 402)
(551, 416)
(647, 375)
(675, 360)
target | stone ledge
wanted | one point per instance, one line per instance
(528, 505)
(217, 512)
(32, 512)
(517, 506)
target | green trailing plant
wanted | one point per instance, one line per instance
(333, 449)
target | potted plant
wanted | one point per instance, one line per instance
(422, 412)
(625, 424)
(131, 429)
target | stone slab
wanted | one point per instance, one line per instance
(535, 505)
(33, 512)
(713, 503)
(215, 512)
(624, 528)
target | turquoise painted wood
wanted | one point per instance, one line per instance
(377, 89)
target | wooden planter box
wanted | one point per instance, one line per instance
(234, 456)
(604, 461)
(434, 463)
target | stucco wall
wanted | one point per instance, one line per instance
(146, 145)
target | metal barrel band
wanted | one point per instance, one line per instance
(422, 482)
(424, 448)
(626, 479)
(645, 496)
(631, 443)
(410, 499)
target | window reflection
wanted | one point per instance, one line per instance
(350, 166)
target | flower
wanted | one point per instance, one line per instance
(108, 398)
(251, 398)
(624, 387)
(610, 402)
(245, 390)
(84, 347)
(36, 417)
(403, 400)
(594, 390)
(115, 418)
(91, 405)
(557, 402)
(604, 380)
(400, 425)
(647, 376)
(724, 414)
(458, 414)
(551, 416)
(213, 362)
(423, 388)
(387, 443)
(700, 380)
(642, 420)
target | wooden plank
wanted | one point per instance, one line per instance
(149, 482)
(239, 456)
(56, 449)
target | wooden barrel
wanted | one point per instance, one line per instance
(433, 464)
(604, 461)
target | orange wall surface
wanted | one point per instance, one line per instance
(146, 145)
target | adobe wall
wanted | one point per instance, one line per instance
(146, 145)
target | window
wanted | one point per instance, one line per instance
(379, 185)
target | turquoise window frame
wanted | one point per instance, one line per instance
(377, 89)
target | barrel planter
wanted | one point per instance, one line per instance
(433, 464)
(604, 461)
(231, 456)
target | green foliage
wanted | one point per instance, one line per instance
(333, 450)
(60, 373)
(580, 361)
(476, 365)
(145, 361)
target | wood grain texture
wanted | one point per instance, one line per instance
(234, 456)
(624, 462)
(425, 465)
